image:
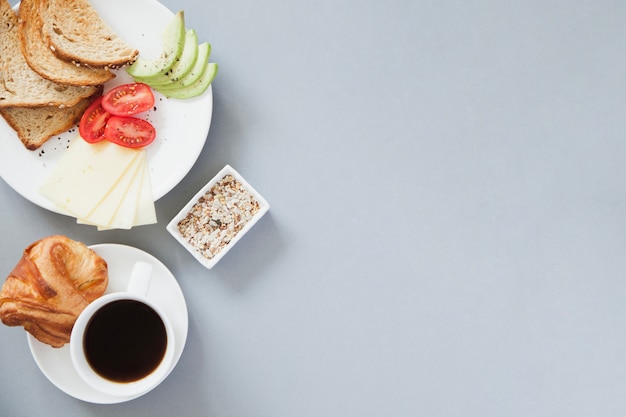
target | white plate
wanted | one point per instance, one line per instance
(56, 364)
(182, 125)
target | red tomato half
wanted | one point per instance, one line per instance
(130, 132)
(128, 99)
(93, 121)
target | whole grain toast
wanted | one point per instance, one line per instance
(75, 32)
(19, 84)
(41, 58)
(36, 125)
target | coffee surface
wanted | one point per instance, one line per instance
(125, 341)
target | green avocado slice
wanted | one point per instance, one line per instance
(199, 67)
(173, 42)
(183, 65)
(197, 87)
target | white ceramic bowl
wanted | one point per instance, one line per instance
(207, 239)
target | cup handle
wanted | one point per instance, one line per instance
(139, 282)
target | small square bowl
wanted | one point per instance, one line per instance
(220, 214)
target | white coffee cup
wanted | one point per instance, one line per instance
(96, 335)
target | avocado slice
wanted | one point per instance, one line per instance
(183, 65)
(202, 60)
(197, 87)
(173, 42)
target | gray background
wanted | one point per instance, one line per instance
(447, 232)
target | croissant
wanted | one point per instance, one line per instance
(51, 284)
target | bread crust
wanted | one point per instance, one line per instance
(55, 279)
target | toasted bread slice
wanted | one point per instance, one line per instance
(35, 125)
(75, 32)
(41, 58)
(19, 84)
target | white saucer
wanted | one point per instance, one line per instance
(56, 364)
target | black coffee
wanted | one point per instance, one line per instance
(125, 340)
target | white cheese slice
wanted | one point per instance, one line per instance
(124, 217)
(86, 174)
(129, 211)
(137, 206)
(146, 212)
(107, 209)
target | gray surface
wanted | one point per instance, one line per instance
(447, 230)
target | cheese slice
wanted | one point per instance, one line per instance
(124, 216)
(86, 174)
(106, 210)
(103, 185)
(145, 212)
(137, 208)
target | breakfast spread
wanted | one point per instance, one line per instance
(56, 57)
(67, 53)
(55, 279)
(66, 47)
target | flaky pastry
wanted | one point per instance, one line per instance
(51, 284)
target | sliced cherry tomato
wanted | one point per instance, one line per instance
(128, 131)
(128, 99)
(93, 121)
